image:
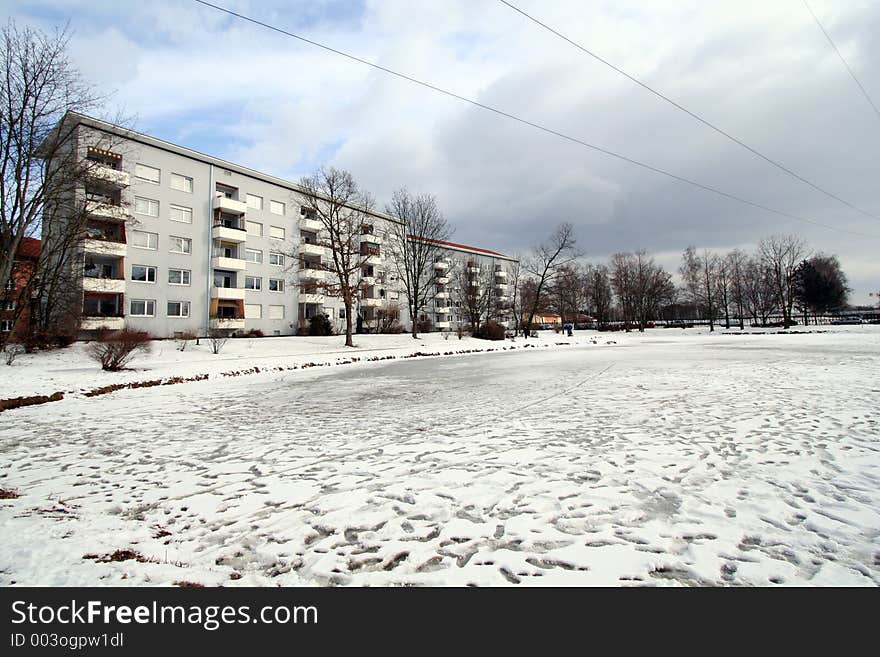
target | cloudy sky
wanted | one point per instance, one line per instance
(763, 71)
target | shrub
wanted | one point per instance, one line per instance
(424, 326)
(217, 338)
(183, 339)
(320, 325)
(50, 339)
(255, 333)
(490, 331)
(11, 351)
(115, 349)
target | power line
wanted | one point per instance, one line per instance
(699, 118)
(839, 54)
(537, 126)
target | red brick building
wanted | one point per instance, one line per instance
(15, 301)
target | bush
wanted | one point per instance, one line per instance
(11, 351)
(424, 326)
(115, 349)
(255, 333)
(490, 331)
(183, 339)
(217, 338)
(320, 325)
(51, 339)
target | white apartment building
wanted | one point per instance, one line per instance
(179, 241)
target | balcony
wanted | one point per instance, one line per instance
(442, 325)
(441, 266)
(222, 262)
(441, 295)
(107, 211)
(108, 176)
(310, 297)
(443, 310)
(310, 224)
(227, 323)
(105, 247)
(312, 249)
(371, 238)
(441, 280)
(229, 205)
(501, 287)
(372, 303)
(374, 260)
(309, 274)
(500, 273)
(96, 284)
(473, 270)
(95, 323)
(231, 293)
(228, 233)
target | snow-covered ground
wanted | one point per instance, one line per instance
(674, 457)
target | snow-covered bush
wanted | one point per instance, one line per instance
(183, 339)
(217, 338)
(11, 351)
(115, 349)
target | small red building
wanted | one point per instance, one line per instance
(15, 300)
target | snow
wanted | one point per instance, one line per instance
(669, 458)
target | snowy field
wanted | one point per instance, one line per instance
(670, 458)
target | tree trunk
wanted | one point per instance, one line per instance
(348, 341)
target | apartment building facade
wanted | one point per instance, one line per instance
(181, 242)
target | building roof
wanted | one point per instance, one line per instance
(462, 247)
(29, 248)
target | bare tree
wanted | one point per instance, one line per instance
(545, 263)
(760, 298)
(723, 289)
(415, 244)
(597, 289)
(514, 283)
(641, 285)
(781, 255)
(333, 198)
(700, 275)
(567, 292)
(472, 288)
(735, 264)
(41, 166)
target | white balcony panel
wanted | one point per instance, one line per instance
(313, 249)
(109, 176)
(442, 325)
(372, 303)
(443, 310)
(441, 280)
(374, 260)
(229, 205)
(310, 298)
(310, 224)
(232, 293)
(441, 295)
(227, 324)
(500, 273)
(106, 211)
(314, 274)
(371, 239)
(92, 284)
(441, 266)
(235, 264)
(95, 323)
(228, 234)
(105, 247)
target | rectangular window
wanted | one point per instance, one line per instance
(276, 312)
(253, 311)
(144, 240)
(6, 325)
(254, 228)
(147, 206)
(180, 244)
(253, 283)
(181, 183)
(147, 174)
(8, 305)
(142, 308)
(182, 214)
(276, 207)
(276, 233)
(255, 202)
(179, 277)
(342, 313)
(276, 285)
(253, 255)
(178, 309)
(276, 259)
(143, 273)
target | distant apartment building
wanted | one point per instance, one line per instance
(16, 300)
(182, 242)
